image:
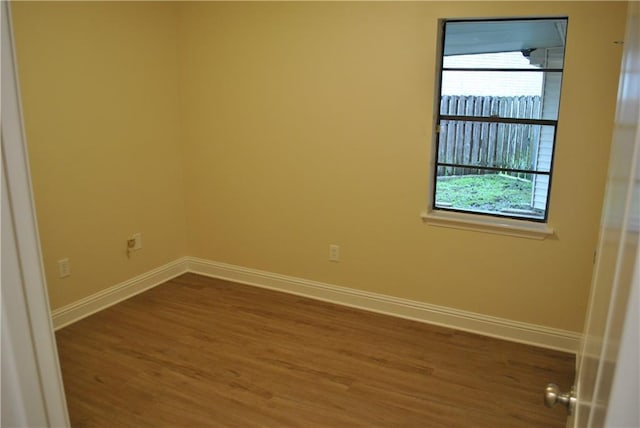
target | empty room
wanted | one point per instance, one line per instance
(313, 214)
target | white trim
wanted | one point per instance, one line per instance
(501, 328)
(22, 396)
(26, 260)
(96, 302)
(488, 224)
(485, 325)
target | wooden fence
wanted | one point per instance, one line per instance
(502, 145)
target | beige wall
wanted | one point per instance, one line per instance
(309, 124)
(302, 124)
(100, 95)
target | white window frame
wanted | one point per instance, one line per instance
(519, 227)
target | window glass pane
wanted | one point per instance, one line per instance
(496, 145)
(501, 94)
(532, 38)
(487, 192)
(469, 93)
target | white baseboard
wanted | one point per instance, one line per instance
(96, 302)
(485, 325)
(501, 328)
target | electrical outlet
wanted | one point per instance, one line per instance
(134, 243)
(64, 268)
(334, 253)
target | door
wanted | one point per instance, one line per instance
(607, 371)
(31, 393)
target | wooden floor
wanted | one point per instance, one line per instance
(203, 352)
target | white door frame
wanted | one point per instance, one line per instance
(607, 380)
(32, 389)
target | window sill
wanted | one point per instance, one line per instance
(486, 224)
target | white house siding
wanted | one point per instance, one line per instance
(550, 103)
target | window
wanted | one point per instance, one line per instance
(497, 115)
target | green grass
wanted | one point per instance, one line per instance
(484, 192)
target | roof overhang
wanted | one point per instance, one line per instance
(475, 37)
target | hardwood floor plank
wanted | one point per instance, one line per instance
(197, 351)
